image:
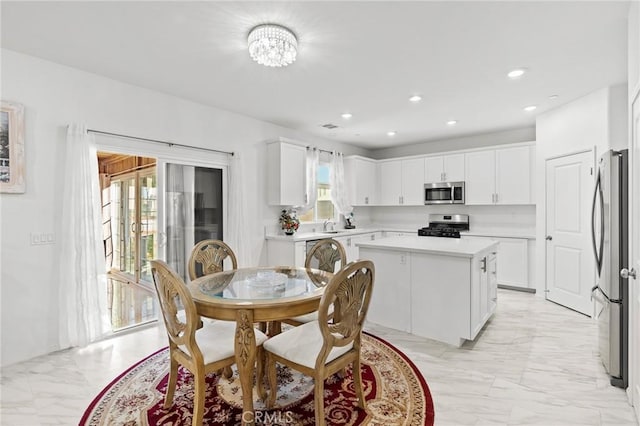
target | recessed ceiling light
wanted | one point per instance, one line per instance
(415, 98)
(530, 108)
(553, 97)
(391, 133)
(517, 73)
(452, 122)
(347, 115)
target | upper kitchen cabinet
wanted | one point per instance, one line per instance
(286, 173)
(361, 178)
(513, 175)
(401, 182)
(499, 176)
(444, 168)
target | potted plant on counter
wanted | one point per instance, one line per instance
(289, 221)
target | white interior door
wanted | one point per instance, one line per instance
(570, 264)
(634, 258)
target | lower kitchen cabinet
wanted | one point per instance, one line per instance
(286, 253)
(349, 243)
(512, 261)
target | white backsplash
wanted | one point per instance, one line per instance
(481, 218)
(520, 219)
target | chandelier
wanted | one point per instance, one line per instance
(272, 45)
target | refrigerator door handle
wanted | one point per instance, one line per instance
(597, 251)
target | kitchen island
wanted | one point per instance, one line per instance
(440, 288)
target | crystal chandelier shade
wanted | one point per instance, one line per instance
(272, 45)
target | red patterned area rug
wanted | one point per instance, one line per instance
(395, 391)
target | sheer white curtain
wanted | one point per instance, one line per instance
(83, 287)
(339, 195)
(177, 205)
(313, 159)
(237, 236)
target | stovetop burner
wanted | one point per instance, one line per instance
(448, 226)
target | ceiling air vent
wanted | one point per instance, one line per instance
(329, 126)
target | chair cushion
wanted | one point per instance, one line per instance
(302, 345)
(217, 340)
(312, 316)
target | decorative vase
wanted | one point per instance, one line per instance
(289, 231)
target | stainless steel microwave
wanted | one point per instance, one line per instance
(444, 193)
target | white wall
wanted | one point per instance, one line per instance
(525, 134)
(633, 47)
(584, 124)
(55, 95)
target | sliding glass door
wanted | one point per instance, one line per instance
(156, 206)
(132, 238)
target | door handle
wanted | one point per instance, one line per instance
(549, 238)
(597, 251)
(626, 273)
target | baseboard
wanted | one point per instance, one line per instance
(510, 287)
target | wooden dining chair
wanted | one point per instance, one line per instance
(201, 349)
(208, 256)
(326, 346)
(327, 255)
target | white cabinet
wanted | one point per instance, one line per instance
(350, 243)
(512, 264)
(361, 177)
(388, 234)
(401, 182)
(444, 168)
(286, 174)
(498, 176)
(287, 253)
(513, 175)
(480, 177)
(483, 291)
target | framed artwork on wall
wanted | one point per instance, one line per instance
(12, 173)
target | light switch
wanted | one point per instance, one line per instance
(41, 238)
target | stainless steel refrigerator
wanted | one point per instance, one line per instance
(610, 232)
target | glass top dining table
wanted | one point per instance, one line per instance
(250, 295)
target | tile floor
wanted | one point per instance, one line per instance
(534, 363)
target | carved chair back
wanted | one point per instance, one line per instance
(325, 254)
(208, 256)
(349, 292)
(174, 294)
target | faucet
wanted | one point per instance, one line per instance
(326, 225)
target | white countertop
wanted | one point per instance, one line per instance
(305, 236)
(459, 247)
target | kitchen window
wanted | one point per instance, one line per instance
(323, 208)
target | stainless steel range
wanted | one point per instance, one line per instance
(445, 225)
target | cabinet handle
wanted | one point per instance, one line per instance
(366, 200)
(496, 198)
(444, 176)
(483, 268)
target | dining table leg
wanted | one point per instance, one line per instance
(245, 351)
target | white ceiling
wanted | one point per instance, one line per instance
(366, 58)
